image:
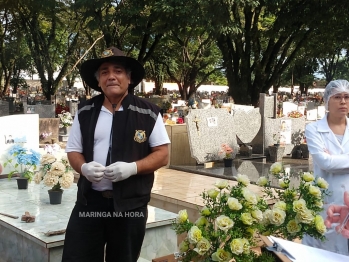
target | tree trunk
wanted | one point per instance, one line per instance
(7, 82)
(158, 87)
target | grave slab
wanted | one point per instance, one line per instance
(26, 242)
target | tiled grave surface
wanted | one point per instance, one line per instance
(20, 241)
(175, 190)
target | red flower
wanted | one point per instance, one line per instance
(180, 120)
(60, 108)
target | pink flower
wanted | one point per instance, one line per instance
(227, 150)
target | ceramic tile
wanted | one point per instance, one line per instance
(20, 241)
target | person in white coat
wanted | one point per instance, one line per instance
(328, 143)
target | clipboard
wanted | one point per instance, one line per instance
(281, 256)
(305, 253)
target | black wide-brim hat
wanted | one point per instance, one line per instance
(112, 54)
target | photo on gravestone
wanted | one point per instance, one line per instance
(212, 121)
(205, 141)
(31, 110)
(285, 131)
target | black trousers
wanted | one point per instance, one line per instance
(96, 228)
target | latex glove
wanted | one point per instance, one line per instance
(93, 171)
(337, 214)
(119, 171)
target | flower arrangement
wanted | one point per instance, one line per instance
(44, 135)
(227, 151)
(233, 216)
(180, 120)
(294, 114)
(225, 230)
(65, 118)
(60, 107)
(26, 159)
(297, 210)
(53, 173)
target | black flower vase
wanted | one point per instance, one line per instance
(55, 196)
(22, 183)
(228, 162)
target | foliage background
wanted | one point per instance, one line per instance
(250, 45)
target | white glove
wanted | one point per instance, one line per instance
(119, 171)
(93, 171)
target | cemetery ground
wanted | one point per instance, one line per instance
(176, 187)
(173, 190)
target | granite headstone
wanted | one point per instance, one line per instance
(247, 132)
(272, 126)
(312, 115)
(267, 108)
(4, 108)
(207, 130)
(73, 106)
(44, 111)
(310, 105)
(321, 112)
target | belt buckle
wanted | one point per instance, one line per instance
(107, 194)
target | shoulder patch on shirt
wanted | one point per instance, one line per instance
(140, 136)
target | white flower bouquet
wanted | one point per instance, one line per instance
(297, 210)
(233, 216)
(53, 173)
(227, 225)
(65, 118)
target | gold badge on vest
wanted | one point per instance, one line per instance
(140, 136)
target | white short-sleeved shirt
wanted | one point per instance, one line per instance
(158, 137)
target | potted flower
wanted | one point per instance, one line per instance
(227, 151)
(23, 162)
(55, 174)
(66, 121)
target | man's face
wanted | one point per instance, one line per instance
(113, 79)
